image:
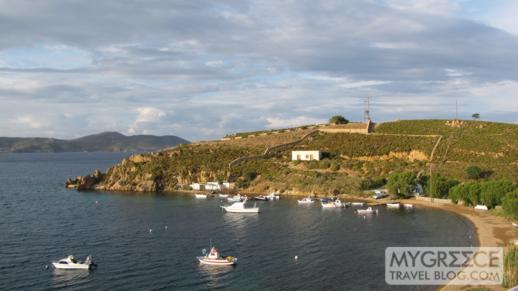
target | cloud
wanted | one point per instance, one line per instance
(203, 69)
(146, 115)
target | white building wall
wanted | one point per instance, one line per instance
(305, 155)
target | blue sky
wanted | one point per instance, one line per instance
(200, 69)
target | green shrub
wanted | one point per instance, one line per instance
(510, 204)
(401, 184)
(474, 172)
(511, 267)
(372, 183)
(439, 186)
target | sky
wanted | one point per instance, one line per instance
(202, 69)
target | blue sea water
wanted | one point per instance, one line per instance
(41, 221)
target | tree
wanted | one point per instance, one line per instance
(439, 186)
(476, 116)
(401, 184)
(474, 172)
(338, 119)
(510, 204)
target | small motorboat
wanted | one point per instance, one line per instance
(481, 207)
(70, 263)
(369, 210)
(200, 196)
(223, 195)
(261, 198)
(239, 207)
(332, 204)
(514, 224)
(394, 205)
(408, 206)
(357, 203)
(213, 258)
(305, 200)
(236, 198)
(273, 196)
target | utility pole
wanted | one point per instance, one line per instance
(366, 112)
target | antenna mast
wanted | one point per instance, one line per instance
(366, 112)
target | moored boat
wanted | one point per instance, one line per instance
(70, 263)
(223, 195)
(306, 200)
(239, 207)
(332, 204)
(408, 205)
(261, 198)
(213, 258)
(394, 205)
(273, 196)
(200, 196)
(369, 210)
(236, 198)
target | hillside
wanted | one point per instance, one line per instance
(106, 141)
(349, 158)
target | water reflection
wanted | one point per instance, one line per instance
(66, 277)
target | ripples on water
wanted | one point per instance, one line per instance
(336, 249)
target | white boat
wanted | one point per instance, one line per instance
(239, 207)
(357, 203)
(261, 198)
(223, 195)
(200, 196)
(481, 207)
(332, 204)
(305, 200)
(369, 210)
(408, 206)
(273, 196)
(236, 198)
(394, 205)
(514, 224)
(70, 263)
(213, 258)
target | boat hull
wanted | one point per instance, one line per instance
(216, 262)
(244, 210)
(72, 266)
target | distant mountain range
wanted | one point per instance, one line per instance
(102, 142)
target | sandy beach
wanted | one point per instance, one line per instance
(491, 230)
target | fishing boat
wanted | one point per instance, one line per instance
(200, 196)
(357, 203)
(70, 263)
(236, 198)
(408, 206)
(223, 195)
(305, 200)
(239, 207)
(369, 210)
(394, 205)
(213, 258)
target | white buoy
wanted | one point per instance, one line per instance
(296, 258)
(96, 202)
(165, 227)
(150, 230)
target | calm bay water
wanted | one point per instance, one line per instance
(41, 221)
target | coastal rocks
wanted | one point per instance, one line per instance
(88, 182)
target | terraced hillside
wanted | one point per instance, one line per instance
(348, 158)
